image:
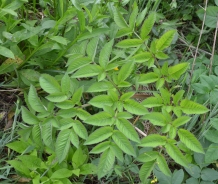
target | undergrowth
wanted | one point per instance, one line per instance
(108, 91)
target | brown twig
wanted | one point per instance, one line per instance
(193, 47)
(140, 132)
(214, 45)
(199, 40)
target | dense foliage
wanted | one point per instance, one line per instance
(109, 91)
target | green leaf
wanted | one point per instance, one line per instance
(62, 173)
(74, 139)
(134, 107)
(172, 132)
(101, 147)
(212, 135)
(101, 100)
(82, 114)
(87, 169)
(208, 82)
(30, 161)
(178, 176)
(126, 96)
(166, 95)
(76, 98)
(95, 33)
(156, 118)
(123, 143)
(62, 144)
(60, 39)
(67, 104)
(76, 4)
(161, 55)
(18, 146)
(34, 100)
(30, 75)
(175, 154)
(160, 82)
(105, 54)
(132, 18)
(125, 71)
(99, 135)
(28, 117)
(82, 20)
(117, 151)
(145, 170)
(106, 163)
(147, 25)
(80, 129)
(142, 57)
(176, 71)
(100, 119)
(57, 97)
(153, 140)
(65, 84)
(47, 132)
(209, 174)
(101, 76)
(118, 19)
(127, 43)
(165, 40)
(49, 84)
(8, 11)
(19, 167)
(192, 181)
(211, 16)
(100, 86)
(127, 129)
(162, 164)
(124, 84)
(141, 16)
(5, 68)
(181, 121)
(152, 102)
(123, 32)
(36, 135)
(92, 47)
(148, 78)
(178, 96)
(75, 64)
(177, 111)
(79, 158)
(87, 71)
(6, 52)
(211, 153)
(147, 156)
(190, 107)
(193, 170)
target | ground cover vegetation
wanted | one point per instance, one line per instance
(115, 91)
